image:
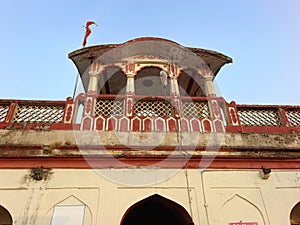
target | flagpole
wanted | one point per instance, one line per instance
(76, 84)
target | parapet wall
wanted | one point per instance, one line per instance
(105, 149)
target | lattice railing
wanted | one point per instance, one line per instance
(195, 109)
(293, 117)
(3, 112)
(61, 115)
(39, 113)
(109, 107)
(153, 108)
(259, 117)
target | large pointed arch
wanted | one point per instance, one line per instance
(5, 217)
(295, 214)
(156, 210)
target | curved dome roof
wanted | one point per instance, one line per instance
(148, 45)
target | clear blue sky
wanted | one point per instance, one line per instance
(262, 37)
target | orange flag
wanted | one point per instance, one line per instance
(88, 31)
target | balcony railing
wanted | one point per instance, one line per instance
(145, 113)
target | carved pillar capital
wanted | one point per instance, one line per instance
(94, 71)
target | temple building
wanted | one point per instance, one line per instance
(147, 139)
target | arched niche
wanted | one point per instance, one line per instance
(5, 217)
(231, 211)
(156, 210)
(295, 215)
(70, 210)
(191, 83)
(148, 82)
(112, 81)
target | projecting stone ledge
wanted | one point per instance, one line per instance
(20, 143)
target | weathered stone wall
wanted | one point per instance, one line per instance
(216, 196)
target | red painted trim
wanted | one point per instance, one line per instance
(48, 102)
(268, 129)
(233, 129)
(177, 163)
(285, 107)
(4, 125)
(229, 129)
(11, 112)
(284, 118)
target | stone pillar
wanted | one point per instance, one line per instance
(174, 90)
(130, 72)
(93, 83)
(130, 91)
(214, 103)
(94, 76)
(173, 74)
(130, 83)
(208, 82)
(90, 98)
(209, 86)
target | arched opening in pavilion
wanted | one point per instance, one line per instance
(112, 81)
(191, 84)
(148, 82)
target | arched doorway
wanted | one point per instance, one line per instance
(295, 215)
(5, 217)
(148, 82)
(156, 210)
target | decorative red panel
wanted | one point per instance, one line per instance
(219, 126)
(171, 124)
(206, 125)
(86, 123)
(184, 125)
(215, 109)
(11, 112)
(147, 124)
(124, 124)
(129, 107)
(160, 124)
(284, 118)
(68, 113)
(136, 124)
(233, 116)
(100, 123)
(195, 125)
(111, 123)
(88, 106)
(130, 67)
